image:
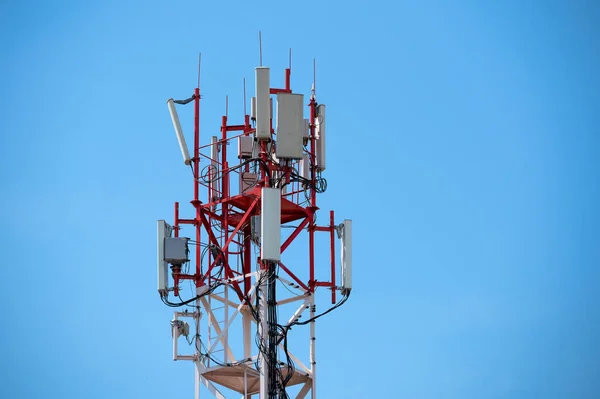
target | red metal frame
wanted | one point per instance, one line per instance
(218, 216)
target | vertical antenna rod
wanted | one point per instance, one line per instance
(199, 61)
(245, 97)
(314, 86)
(260, 47)
(288, 73)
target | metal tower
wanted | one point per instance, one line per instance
(257, 202)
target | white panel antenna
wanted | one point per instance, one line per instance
(179, 132)
(163, 231)
(305, 167)
(306, 129)
(253, 108)
(263, 104)
(346, 252)
(270, 221)
(214, 154)
(320, 136)
(290, 125)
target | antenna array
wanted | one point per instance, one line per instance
(236, 258)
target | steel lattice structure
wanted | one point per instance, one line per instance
(250, 196)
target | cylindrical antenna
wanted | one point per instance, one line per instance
(290, 59)
(260, 47)
(226, 106)
(245, 97)
(199, 61)
(179, 132)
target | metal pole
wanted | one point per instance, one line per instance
(175, 335)
(245, 384)
(196, 383)
(269, 385)
(196, 201)
(226, 358)
(313, 359)
(263, 327)
(197, 349)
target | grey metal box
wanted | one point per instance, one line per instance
(255, 225)
(247, 181)
(176, 250)
(245, 145)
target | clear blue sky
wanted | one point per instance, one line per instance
(464, 142)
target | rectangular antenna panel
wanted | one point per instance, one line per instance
(320, 136)
(290, 125)
(306, 129)
(163, 231)
(214, 168)
(253, 108)
(263, 104)
(247, 181)
(255, 225)
(305, 167)
(346, 250)
(214, 148)
(245, 144)
(270, 223)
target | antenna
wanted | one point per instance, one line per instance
(243, 207)
(199, 62)
(179, 132)
(245, 97)
(260, 47)
(314, 85)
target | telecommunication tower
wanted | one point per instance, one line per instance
(235, 259)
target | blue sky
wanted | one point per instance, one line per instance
(463, 142)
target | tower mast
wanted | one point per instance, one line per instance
(239, 254)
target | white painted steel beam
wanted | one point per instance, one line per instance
(304, 390)
(215, 325)
(201, 369)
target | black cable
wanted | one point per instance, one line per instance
(182, 303)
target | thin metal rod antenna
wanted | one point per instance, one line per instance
(199, 62)
(226, 106)
(245, 97)
(260, 46)
(290, 64)
(314, 88)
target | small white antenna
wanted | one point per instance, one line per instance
(179, 132)
(314, 85)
